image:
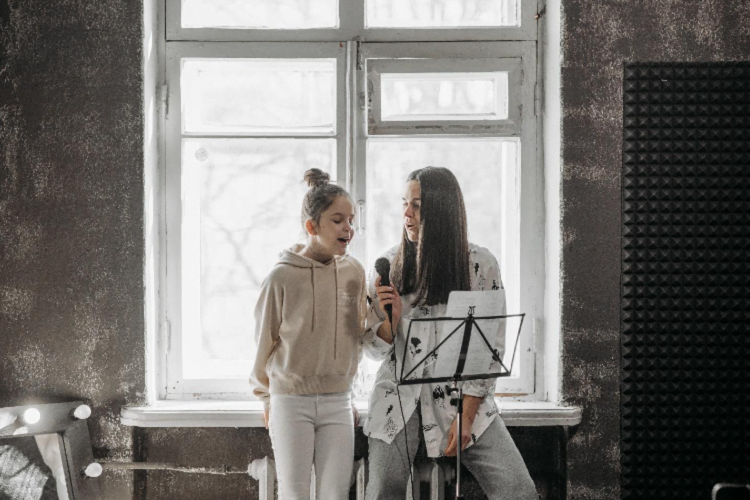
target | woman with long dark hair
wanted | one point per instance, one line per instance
(433, 259)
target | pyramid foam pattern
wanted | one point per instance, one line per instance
(685, 317)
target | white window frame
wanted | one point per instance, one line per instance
(180, 262)
(416, 61)
(353, 55)
(352, 27)
(522, 123)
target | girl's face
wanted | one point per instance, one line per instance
(411, 205)
(336, 228)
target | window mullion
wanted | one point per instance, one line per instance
(357, 140)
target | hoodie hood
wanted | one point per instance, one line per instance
(291, 257)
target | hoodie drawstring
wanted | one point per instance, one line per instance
(336, 320)
(312, 327)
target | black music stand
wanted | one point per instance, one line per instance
(456, 391)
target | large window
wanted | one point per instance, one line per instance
(258, 91)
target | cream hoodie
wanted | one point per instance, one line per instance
(309, 322)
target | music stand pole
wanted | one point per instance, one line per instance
(460, 403)
(460, 414)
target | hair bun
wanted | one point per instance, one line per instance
(316, 178)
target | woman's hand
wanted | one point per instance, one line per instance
(265, 417)
(452, 448)
(470, 406)
(388, 295)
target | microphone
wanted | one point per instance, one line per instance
(383, 268)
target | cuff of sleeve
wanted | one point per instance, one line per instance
(377, 342)
(476, 390)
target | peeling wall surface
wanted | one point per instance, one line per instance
(71, 212)
(542, 449)
(598, 36)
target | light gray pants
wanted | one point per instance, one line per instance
(493, 460)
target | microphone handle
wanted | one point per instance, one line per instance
(389, 312)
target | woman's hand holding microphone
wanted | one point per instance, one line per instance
(388, 295)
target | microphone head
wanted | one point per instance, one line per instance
(383, 268)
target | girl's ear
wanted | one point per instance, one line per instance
(310, 227)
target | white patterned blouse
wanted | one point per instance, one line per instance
(384, 420)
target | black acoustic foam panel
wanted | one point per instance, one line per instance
(685, 303)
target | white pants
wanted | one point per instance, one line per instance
(307, 430)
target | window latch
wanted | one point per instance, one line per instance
(164, 98)
(361, 210)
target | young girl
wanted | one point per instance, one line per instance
(309, 325)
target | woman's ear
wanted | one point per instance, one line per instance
(310, 227)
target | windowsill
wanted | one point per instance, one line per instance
(250, 414)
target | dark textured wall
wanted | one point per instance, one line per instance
(598, 36)
(71, 212)
(543, 448)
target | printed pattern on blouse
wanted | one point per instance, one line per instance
(384, 420)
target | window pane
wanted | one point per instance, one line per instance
(480, 165)
(444, 96)
(260, 14)
(266, 96)
(485, 169)
(249, 193)
(441, 13)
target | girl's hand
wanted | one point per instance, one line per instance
(389, 295)
(355, 412)
(265, 417)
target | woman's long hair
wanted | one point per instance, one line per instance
(438, 263)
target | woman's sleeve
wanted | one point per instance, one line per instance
(490, 271)
(267, 324)
(376, 348)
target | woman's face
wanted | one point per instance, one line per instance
(335, 230)
(411, 205)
